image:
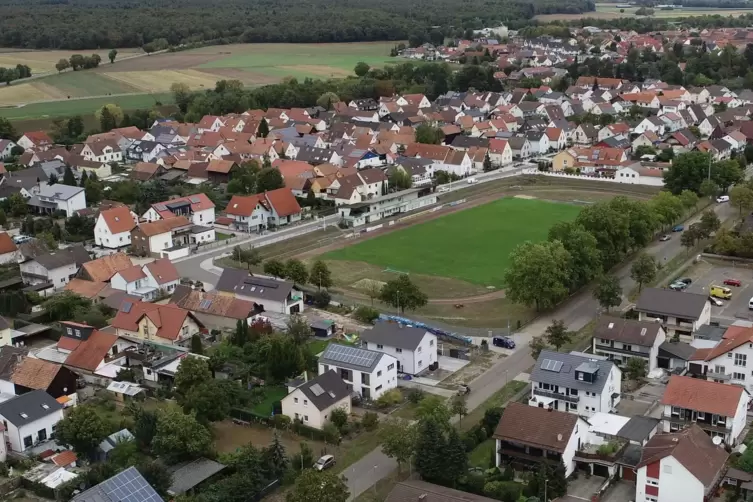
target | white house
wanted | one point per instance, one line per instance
(358, 187)
(312, 402)
(269, 295)
(414, 348)
(113, 227)
(252, 213)
(58, 197)
(685, 466)
(539, 142)
(106, 150)
(680, 313)
(35, 140)
(500, 152)
(366, 372)
(147, 281)
(577, 383)
(727, 362)
(636, 175)
(719, 409)
(621, 339)
(198, 208)
(526, 434)
(57, 267)
(653, 124)
(6, 147)
(30, 419)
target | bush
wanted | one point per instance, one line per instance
(339, 417)
(474, 437)
(331, 433)
(321, 299)
(366, 314)
(370, 421)
(506, 491)
(390, 398)
(326, 434)
(415, 396)
(281, 421)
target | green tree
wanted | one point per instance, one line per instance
(318, 486)
(62, 306)
(157, 475)
(689, 237)
(398, 440)
(192, 372)
(459, 407)
(295, 270)
(263, 128)
(276, 458)
(709, 223)
(275, 268)
(745, 462)
(402, 294)
(339, 417)
(456, 459)
(635, 368)
(687, 172)
(430, 451)
(327, 99)
(7, 131)
(3, 218)
(76, 61)
(17, 205)
(688, 198)
(538, 343)
(399, 179)
(538, 274)
(179, 436)
(208, 401)
(361, 69)
(726, 173)
(643, 269)
(435, 408)
(269, 179)
(742, 197)
(557, 334)
(62, 64)
(428, 134)
(181, 95)
(240, 336)
(109, 116)
(608, 292)
(319, 275)
(68, 178)
(585, 259)
(667, 207)
(83, 428)
(144, 426)
(112, 55)
(708, 188)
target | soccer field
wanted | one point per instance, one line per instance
(472, 245)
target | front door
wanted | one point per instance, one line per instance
(366, 392)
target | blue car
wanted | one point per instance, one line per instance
(504, 342)
(678, 228)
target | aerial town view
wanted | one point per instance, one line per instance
(394, 252)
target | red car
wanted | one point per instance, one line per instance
(733, 282)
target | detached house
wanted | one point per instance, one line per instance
(102, 151)
(500, 152)
(113, 227)
(577, 383)
(147, 281)
(166, 324)
(198, 208)
(57, 268)
(35, 140)
(728, 361)
(679, 313)
(365, 372)
(29, 419)
(313, 401)
(414, 348)
(358, 187)
(622, 339)
(9, 252)
(267, 295)
(719, 409)
(46, 199)
(253, 213)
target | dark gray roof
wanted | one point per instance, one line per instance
(74, 254)
(325, 390)
(393, 334)
(242, 283)
(671, 303)
(354, 358)
(642, 333)
(638, 428)
(126, 486)
(461, 141)
(710, 332)
(680, 350)
(631, 456)
(189, 474)
(9, 357)
(35, 405)
(415, 490)
(517, 142)
(565, 377)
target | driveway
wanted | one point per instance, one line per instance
(623, 491)
(583, 487)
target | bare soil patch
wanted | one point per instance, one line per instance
(318, 70)
(247, 77)
(165, 61)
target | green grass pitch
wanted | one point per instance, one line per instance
(472, 245)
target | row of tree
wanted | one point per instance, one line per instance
(8, 75)
(78, 62)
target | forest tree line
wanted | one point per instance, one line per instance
(46, 24)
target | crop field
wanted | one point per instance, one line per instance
(471, 245)
(252, 64)
(36, 112)
(611, 11)
(44, 61)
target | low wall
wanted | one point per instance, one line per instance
(176, 253)
(592, 178)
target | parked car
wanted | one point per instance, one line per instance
(750, 304)
(722, 198)
(733, 282)
(504, 342)
(443, 188)
(664, 238)
(678, 286)
(472, 180)
(324, 462)
(678, 228)
(715, 301)
(686, 280)
(463, 389)
(721, 292)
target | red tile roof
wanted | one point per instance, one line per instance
(702, 395)
(536, 426)
(220, 166)
(35, 373)
(733, 338)
(162, 226)
(91, 352)
(244, 205)
(163, 271)
(102, 269)
(292, 168)
(87, 289)
(168, 319)
(283, 201)
(66, 343)
(118, 219)
(6, 244)
(64, 458)
(132, 274)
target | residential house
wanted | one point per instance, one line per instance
(365, 372)
(10, 357)
(414, 348)
(727, 362)
(56, 268)
(157, 236)
(585, 134)
(557, 138)
(521, 147)
(680, 313)
(198, 208)
(144, 151)
(653, 124)
(253, 213)
(88, 349)
(531, 435)
(539, 142)
(719, 409)
(622, 339)
(29, 419)
(37, 374)
(646, 138)
(113, 227)
(500, 152)
(6, 148)
(684, 466)
(444, 158)
(146, 171)
(147, 281)
(577, 383)
(102, 151)
(47, 199)
(165, 324)
(215, 311)
(267, 295)
(9, 252)
(126, 485)
(35, 140)
(313, 401)
(103, 268)
(358, 187)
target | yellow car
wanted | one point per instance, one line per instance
(721, 292)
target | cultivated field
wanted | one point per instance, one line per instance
(44, 61)
(611, 11)
(252, 64)
(472, 245)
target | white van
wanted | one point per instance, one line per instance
(471, 181)
(750, 304)
(722, 198)
(443, 188)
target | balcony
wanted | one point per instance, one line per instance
(684, 421)
(555, 395)
(684, 324)
(607, 452)
(632, 353)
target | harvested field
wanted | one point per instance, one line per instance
(161, 80)
(44, 61)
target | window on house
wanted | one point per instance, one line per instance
(305, 402)
(42, 434)
(391, 366)
(419, 349)
(652, 482)
(719, 369)
(295, 400)
(399, 351)
(431, 343)
(379, 373)
(305, 418)
(380, 346)
(738, 376)
(420, 363)
(741, 359)
(28, 442)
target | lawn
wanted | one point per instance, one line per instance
(70, 107)
(271, 396)
(471, 245)
(481, 456)
(497, 399)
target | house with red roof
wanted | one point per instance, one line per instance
(198, 208)
(167, 324)
(252, 213)
(727, 361)
(500, 152)
(720, 410)
(113, 227)
(35, 141)
(147, 281)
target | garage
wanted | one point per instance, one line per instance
(628, 473)
(601, 470)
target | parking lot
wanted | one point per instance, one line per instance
(706, 274)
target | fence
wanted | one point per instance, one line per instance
(641, 180)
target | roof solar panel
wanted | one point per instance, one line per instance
(317, 389)
(194, 199)
(351, 355)
(129, 486)
(160, 207)
(126, 307)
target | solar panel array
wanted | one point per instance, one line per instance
(351, 355)
(160, 207)
(551, 365)
(205, 304)
(194, 199)
(317, 390)
(129, 486)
